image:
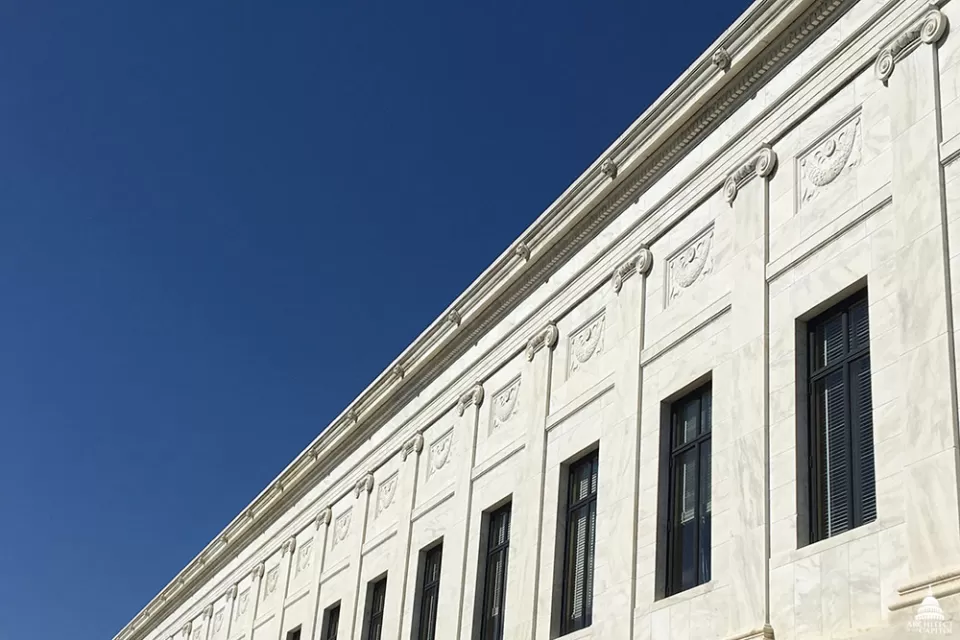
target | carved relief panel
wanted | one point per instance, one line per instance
(586, 343)
(505, 405)
(386, 492)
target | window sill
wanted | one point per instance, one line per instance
(580, 634)
(683, 596)
(789, 557)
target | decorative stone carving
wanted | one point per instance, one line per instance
(231, 593)
(218, 620)
(413, 445)
(185, 629)
(304, 554)
(364, 485)
(474, 396)
(453, 317)
(352, 416)
(270, 583)
(397, 372)
(546, 337)
(341, 527)
(690, 264)
(641, 263)
(721, 59)
(385, 493)
(288, 546)
(440, 453)
(197, 631)
(586, 341)
(504, 405)
(522, 251)
(761, 164)
(928, 29)
(241, 607)
(207, 611)
(609, 168)
(835, 152)
(257, 572)
(323, 518)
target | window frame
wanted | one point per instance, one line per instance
(669, 546)
(572, 507)
(373, 615)
(331, 622)
(815, 439)
(492, 550)
(426, 589)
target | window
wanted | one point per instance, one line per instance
(332, 625)
(495, 574)
(378, 594)
(294, 635)
(430, 593)
(840, 448)
(581, 536)
(686, 560)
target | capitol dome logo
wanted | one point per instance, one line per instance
(930, 618)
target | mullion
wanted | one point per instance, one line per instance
(825, 371)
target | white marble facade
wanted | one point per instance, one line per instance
(810, 152)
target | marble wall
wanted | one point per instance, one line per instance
(839, 174)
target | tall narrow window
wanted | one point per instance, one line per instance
(495, 574)
(332, 625)
(581, 536)
(430, 593)
(688, 500)
(842, 486)
(378, 595)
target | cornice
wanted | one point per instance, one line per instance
(768, 34)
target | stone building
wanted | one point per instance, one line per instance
(764, 261)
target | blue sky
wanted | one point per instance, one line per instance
(221, 220)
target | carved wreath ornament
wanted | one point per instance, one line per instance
(505, 403)
(690, 264)
(586, 342)
(826, 161)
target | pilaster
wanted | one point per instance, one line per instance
(286, 561)
(407, 501)
(525, 538)
(257, 579)
(361, 493)
(321, 526)
(909, 69)
(231, 596)
(743, 447)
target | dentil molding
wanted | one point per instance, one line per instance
(546, 337)
(640, 263)
(928, 30)
(761, 164)
(474, 396)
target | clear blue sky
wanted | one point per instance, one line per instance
(221, 220)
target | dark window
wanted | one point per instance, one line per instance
(841, 475)
(294, 635)
(688, 501)
(495, 574)
(430, 593)
(332, 626)
(378, 594)
(581, 536)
